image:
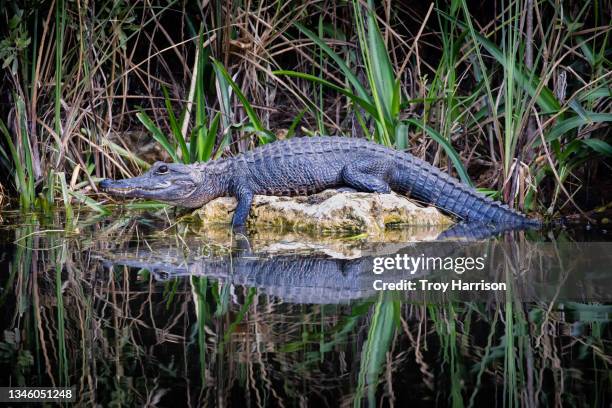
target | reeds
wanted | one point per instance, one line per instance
(497, 96)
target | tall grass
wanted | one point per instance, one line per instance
(450, 83)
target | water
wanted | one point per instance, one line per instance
(141, 309)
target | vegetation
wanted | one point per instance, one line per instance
(512, 96)
(124, 337)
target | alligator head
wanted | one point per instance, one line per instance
(177, 184)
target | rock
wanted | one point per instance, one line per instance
(328, 212)
(218, 238)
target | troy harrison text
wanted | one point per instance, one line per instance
(426, 285)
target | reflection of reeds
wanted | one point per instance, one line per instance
(3, 200)
(121, 337)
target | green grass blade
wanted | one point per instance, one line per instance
(530, 83)
(385, 124)
(146, 205)
(294, 124)
(362, 93)
(253, 117)
(174, 126)
(205, 141)
(374, 351)
(4, 158)
(89, 202)
(27, 149)
(564, 126)
(382, 70)
(214, 125)
(450, 151)
(368, 107)
(599, 146)
(19, 169)
(225, 105)
(157, 134)
(60, 23)
(594, 94)
(125, 153)
(65, 197)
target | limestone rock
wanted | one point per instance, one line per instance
(327, 212)
(218, 238)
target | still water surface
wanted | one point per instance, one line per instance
(144, 310)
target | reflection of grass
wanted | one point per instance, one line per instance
(445, 321)
(63, 368)
(384, 321)
(199, 289)
(79, 322)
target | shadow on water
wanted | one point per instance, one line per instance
(139, 311)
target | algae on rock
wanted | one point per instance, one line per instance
(328, 212)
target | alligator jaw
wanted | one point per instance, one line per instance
(173, 192)
(114, 187)
(120, 191)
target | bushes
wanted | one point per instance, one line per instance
(514, 98)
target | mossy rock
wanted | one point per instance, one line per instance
(327, 212)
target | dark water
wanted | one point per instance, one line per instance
(144, 310)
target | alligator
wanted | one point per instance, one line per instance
(308, 165)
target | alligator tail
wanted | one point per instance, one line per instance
(419, 179)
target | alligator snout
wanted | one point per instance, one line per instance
(119, 187)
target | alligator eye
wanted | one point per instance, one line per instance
(163, 169)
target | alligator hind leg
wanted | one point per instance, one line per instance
(369, 177)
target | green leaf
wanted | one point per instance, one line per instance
(387, 88)
(599, 146)
(368, 107)
(174, 126)
(146, 205)
(4, 155)
(205, 141)
(354, 81)
(564, 126)
(125, 153)
(214, 125)
(19, 169)
(401, 136)
(89, 202)
(450, 151)
(296, 121)
(374, 352)
(594, 94)
(253, 117)
(157, 134)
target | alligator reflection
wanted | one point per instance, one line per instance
(313, 278)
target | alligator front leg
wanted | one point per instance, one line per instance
(245, 199)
